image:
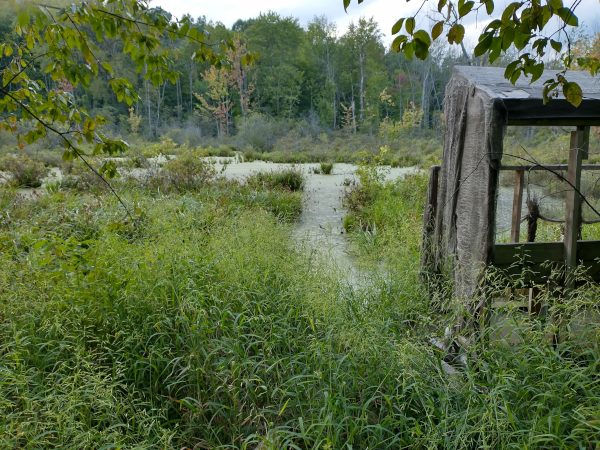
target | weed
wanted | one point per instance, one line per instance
(24, 171)
(290, 178)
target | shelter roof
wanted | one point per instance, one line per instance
(524, 100)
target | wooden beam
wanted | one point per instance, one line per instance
(573, 197)
(515, 228)
(533, 252)
(541, 258)
(554, 122)
(551, 166)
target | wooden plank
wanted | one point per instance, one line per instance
(515, 228)
(534, 306)
(551, 167)
(530, 274)
(528, 111)
(554, 122)
(510, 259)
(573, 197)
(533, 252)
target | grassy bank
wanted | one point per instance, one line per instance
(204, 325)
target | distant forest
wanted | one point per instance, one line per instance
(327, 78)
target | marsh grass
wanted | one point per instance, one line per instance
(326, 168)
(290, 178)
(209, 327)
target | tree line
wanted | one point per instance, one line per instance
(335, 80)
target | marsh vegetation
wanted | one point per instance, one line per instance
(198, 321)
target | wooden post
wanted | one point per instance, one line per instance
(515, 228)
(427, 244)
(576, 153)
(432, 193)
(573, 198)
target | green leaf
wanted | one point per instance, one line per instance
(456, 34)
(23, 17)
(409, 50)
(568, 17)
(441, 5)
(410, 25)
(536, 71)
(346, 4)
(398, 42)
(495, 48)
(489, 6)
(8, 50)
(572, 93)
(509, 10)
(423, 36)
(421, 49)
(465, 9)
(484, 44)
(557, 46)
(508, 38)
(556, 4)
(510, 69)
(437, 29)
(397, 26)
(521, 39)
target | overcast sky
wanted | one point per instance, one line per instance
(386, 12)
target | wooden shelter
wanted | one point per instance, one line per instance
(459, 220)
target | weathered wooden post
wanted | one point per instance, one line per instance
(577, 152)
(515, 228)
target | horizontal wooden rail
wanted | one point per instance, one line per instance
(536, 260)
(551, 167)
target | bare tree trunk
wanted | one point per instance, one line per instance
(362, 85)
(158, 103)
(149, 105)
(191, 79)
(425, 115)
(353, 107)
(399, 98)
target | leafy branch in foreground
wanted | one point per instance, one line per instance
(62, 42)
(523, 25)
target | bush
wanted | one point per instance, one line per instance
(189, 171)
(25, 171)
(251, 155)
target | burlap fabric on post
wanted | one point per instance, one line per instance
(463, 235)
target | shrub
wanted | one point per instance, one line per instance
(189, 171)
(250, 155)
(25, 171)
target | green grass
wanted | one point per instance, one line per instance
(207, 326)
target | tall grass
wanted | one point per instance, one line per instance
(208, 327)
